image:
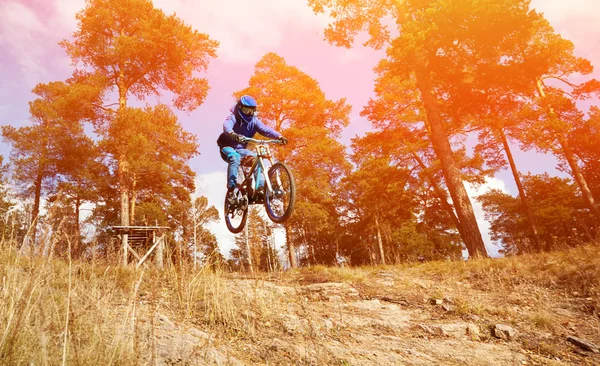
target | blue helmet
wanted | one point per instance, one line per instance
(246, 107)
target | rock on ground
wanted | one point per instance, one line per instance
(504, 332)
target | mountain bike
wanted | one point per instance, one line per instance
(278, 193)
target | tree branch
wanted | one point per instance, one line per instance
(560, 79)
(105, 108)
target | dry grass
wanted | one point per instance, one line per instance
(575, 272)
(53, 312)
(56, 312)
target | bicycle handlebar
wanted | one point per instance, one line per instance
(248, 139)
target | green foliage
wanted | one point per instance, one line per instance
(452, 67)
(54, 157)
(557, 208)
(133, 48)
(293, 102)
(387, 189)
(140, 50)
(585, 139)
(289, 97)
(155, 150)
(130, 47)
(441, 57)
(30, 157)
(419, 242)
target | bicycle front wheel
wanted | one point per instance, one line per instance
(280, 201)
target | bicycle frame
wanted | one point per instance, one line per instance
(279, 199)
(262, 152)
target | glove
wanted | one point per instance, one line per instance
(283, 140)
(237, 137)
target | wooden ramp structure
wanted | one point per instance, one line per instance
(141, 242)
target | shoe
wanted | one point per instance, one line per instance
(231, 196)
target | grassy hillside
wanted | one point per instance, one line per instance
(80, 313)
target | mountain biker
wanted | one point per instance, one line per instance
(241, 124)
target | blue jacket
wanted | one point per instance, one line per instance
(234, 123)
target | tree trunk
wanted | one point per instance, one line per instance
(195, 223)
(570, 157)
(268, 243)
(440, 195)
(124, 208)
(372, 255)
(450, 169)
(310, 249)
(337, 251)
(133, 201)
(579, 178)
(513, 167)
(77, 250)
(291, 248)
(36, 205)
(379, 241)
(392, 249)
(248, 251)
(160, 250)
(122, 172)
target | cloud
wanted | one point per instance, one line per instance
(29, 36)
(575, 20)
(29, 31)
(3, 111)
(64, 14)
(20, 32)
(484, 226)
(245, 29)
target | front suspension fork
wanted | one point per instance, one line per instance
(266, 173)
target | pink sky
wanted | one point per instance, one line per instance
(30, 30)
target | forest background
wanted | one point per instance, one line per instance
(30, 32)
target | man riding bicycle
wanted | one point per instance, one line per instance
(241, 124)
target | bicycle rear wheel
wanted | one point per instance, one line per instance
(236, 214)
(280, 201)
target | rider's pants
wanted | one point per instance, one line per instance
(234, 157)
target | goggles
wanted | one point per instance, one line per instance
(248, 111)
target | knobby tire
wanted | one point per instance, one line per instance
(292, 188)
(234, 229)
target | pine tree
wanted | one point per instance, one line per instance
(137, 50)
(436, 50)
(293, 103)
